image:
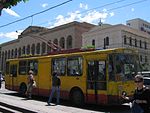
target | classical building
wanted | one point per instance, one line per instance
(39, 41)
(112, 36)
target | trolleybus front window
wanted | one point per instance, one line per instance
(126, 66)
(122, 66)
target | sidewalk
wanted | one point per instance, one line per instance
(38, 106)
(33, 105)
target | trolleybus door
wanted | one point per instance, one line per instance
(13, 77)
(96, 82)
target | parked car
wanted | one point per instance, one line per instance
(147, 81)
(145, 73)
(2, 78)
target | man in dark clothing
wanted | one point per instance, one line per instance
(141, 97)
(55, 87)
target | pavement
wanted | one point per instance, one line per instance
(38, 106)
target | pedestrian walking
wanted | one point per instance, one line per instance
(55, 88)
(30, 80)
(141, 98)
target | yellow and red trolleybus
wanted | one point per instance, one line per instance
(97, 77)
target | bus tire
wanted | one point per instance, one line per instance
(77, 97)
(22, 89)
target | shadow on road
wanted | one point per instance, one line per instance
(98, 108)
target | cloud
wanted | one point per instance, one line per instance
(83, 6)
(93, 16)
(132, 9)
(60, 19)
(112, 14)
(10, 35)
(44, 5)
(90, 17)
(104, 10)
(11, 12)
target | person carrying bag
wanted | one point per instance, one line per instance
(31, 81)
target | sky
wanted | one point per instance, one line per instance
(59, 12)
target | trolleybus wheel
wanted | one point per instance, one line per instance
(77, 97)
(22, 89)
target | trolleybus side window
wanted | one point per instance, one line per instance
(32, 65)
(74, 66)
(125, 66)
(13, 70)
(22, 67)
(25, 66)
(59, 65)
(111, 68)
(96, 75)
(101, 71)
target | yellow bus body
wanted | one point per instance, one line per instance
(78, 88)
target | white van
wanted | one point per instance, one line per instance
(145, 73)
(147, 82)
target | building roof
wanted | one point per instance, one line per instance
(83, 24)
(118, 27)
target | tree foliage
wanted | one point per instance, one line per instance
(9, 3)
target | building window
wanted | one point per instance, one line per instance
(130, 41)
(5, 55)
(145, 45)
(125, 39)
(19, 52)
(28, 49)
(33, 49)
(107, 41)
(23, 50)
(135, 43)
(146, 59)
(8, 54)
(43, 47)
(141, 58)
(69, 42)
(140, 44)
(55, 42)
(128, 24)
(49, 46)
(62, 42)
(93, 42)
(16, 53)
(38, 48)
(12, 53)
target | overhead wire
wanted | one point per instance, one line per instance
(77, 13)
(115, 8)
(36, 14)
(108, 4)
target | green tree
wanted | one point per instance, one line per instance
(9, 3)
